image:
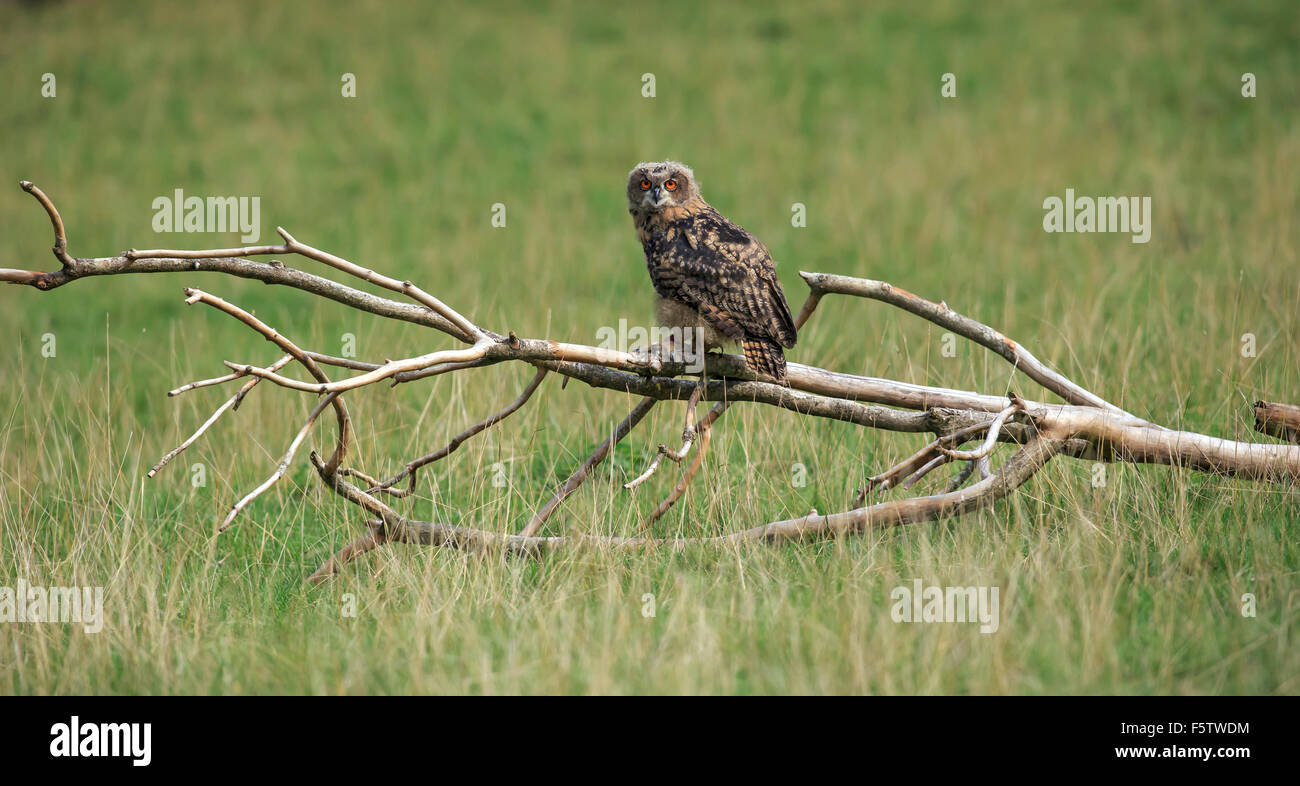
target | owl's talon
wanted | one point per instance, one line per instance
(651, 357)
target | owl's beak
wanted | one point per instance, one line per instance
(654, 194)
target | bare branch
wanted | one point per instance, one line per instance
(231, 403)
(1087, 427)
(580, 474)
(205, 383)
(280, 468)
(1018, 469)
(373, 539)
(680, 489)
(929, 467)
(413, 467)
(943, 316)
(60, 234)
(994, 428)
(923, 461)
(1278, 420)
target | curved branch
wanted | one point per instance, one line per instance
(280, 468)
(943, 316)
(1018, 469)
(580, 474)
(270, 334)
(995, 428)
(56, 221)
(412, 468)
(1087, 427)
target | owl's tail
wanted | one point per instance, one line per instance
(764, 356)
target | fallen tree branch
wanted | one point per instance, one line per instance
(413, 467)
(676, 456)
(940, 314)
(1085, 427)
(1278, 420)
(912, 510)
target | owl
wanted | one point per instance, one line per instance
(709, 274)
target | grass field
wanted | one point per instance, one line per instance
(1134, 587)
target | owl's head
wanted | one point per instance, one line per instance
(651, 187)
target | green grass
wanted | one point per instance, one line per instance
(1131, 588)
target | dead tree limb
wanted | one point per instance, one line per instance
(1278, 420)
(1085, 427)
(580, 474)
(943, 316)
(412, 468)
(911, 510)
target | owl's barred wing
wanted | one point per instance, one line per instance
(724, 273)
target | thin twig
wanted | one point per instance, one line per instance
(280, 468)
(676, 456)
(231, 403)
(580, 474)
(413, 467)
(270, 334)
(683, 482)
(933, 464)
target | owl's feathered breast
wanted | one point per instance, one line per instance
(697, 257)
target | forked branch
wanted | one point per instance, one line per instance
(1086, 426)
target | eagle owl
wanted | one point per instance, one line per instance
(708, 272)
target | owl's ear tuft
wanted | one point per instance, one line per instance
(641, 169)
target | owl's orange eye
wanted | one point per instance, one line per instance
(645, 184)
(671, 185)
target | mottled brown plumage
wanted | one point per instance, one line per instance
(707, 271)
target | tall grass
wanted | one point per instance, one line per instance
(1133, 587)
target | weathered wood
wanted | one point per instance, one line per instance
(1278, 420)
(1087, 427)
